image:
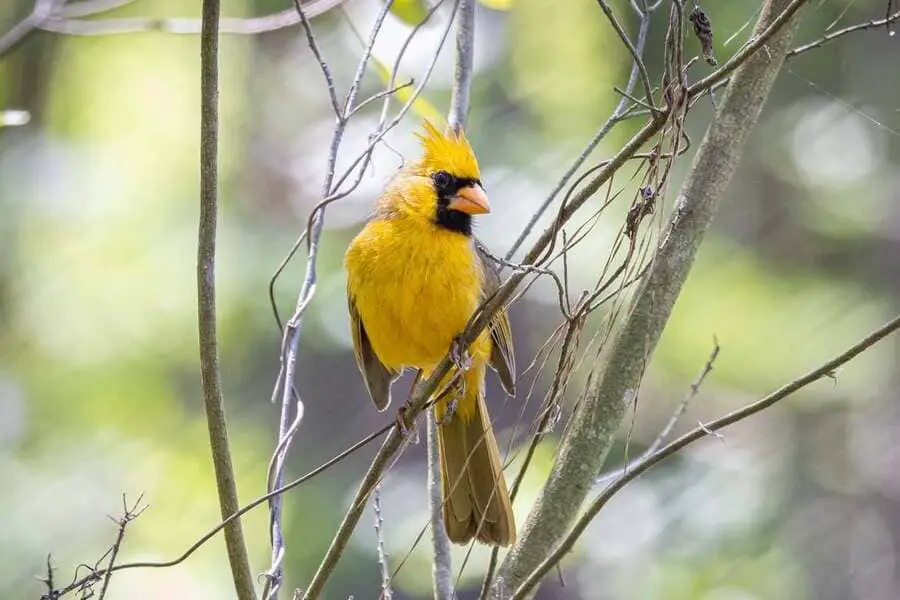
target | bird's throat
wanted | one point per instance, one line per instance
(454, 220)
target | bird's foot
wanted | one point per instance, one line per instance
(401, 422)
(459, 354)
(448, 412)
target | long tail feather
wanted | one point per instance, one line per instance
(476, 500)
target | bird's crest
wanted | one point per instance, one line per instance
(447, 152)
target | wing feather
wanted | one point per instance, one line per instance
(503, 360)
(378, 377)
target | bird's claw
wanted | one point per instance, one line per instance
(401, 422)
(448, 412)
(460, 356)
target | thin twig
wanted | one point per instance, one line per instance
(873, 24)
(206, 292)
(386, 591)
(635, 52)
(128, 515)
(749, 49)
(690, 395)
(47, 580)
(87, 8)
(57, 16)
(442, 567)
(464, 70)
(314, 48)
(697, 434)
(21, 30)
(692, 392)
(186, 26)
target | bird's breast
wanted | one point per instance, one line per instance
(415, 288)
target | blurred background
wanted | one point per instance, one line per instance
(99, 382)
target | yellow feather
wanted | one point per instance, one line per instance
(450, 152)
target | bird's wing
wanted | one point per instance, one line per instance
(503, 360)
(378, 377)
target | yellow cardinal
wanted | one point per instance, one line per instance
(414, 278)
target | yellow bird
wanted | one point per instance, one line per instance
(414, 279)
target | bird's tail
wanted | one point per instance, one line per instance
(476, 501)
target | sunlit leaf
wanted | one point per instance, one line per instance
(498, 4)
(409, 11)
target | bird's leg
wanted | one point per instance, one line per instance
(448, 412)
(401, 412)
(459, 387)
(459, 354)
(401, 421)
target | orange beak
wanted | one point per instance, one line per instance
(471, 200)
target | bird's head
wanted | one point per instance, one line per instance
(451, 191)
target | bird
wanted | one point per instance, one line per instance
(415, 277)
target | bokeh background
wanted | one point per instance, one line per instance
(99, 383)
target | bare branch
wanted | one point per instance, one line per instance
(314, 48)
(635, 52)
(386, 591)
(759, 39)
(58, 16)
(563, 548)
(465, 53)
(889, 20)
(690, 395)
(206, 292)
(129, 514)
(22, 29)
(442, 567)
(60, 23)
(86, 8)
(673, 420)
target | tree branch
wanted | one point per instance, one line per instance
(635, 52)
(704, 430)
(21, 30)
(465, 54)
(206, 292)
(386, 591)
(593, 426)
(186, 26)
(885, 22)
(56, 16)
(442, 568)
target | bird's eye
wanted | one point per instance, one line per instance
(442, 179)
